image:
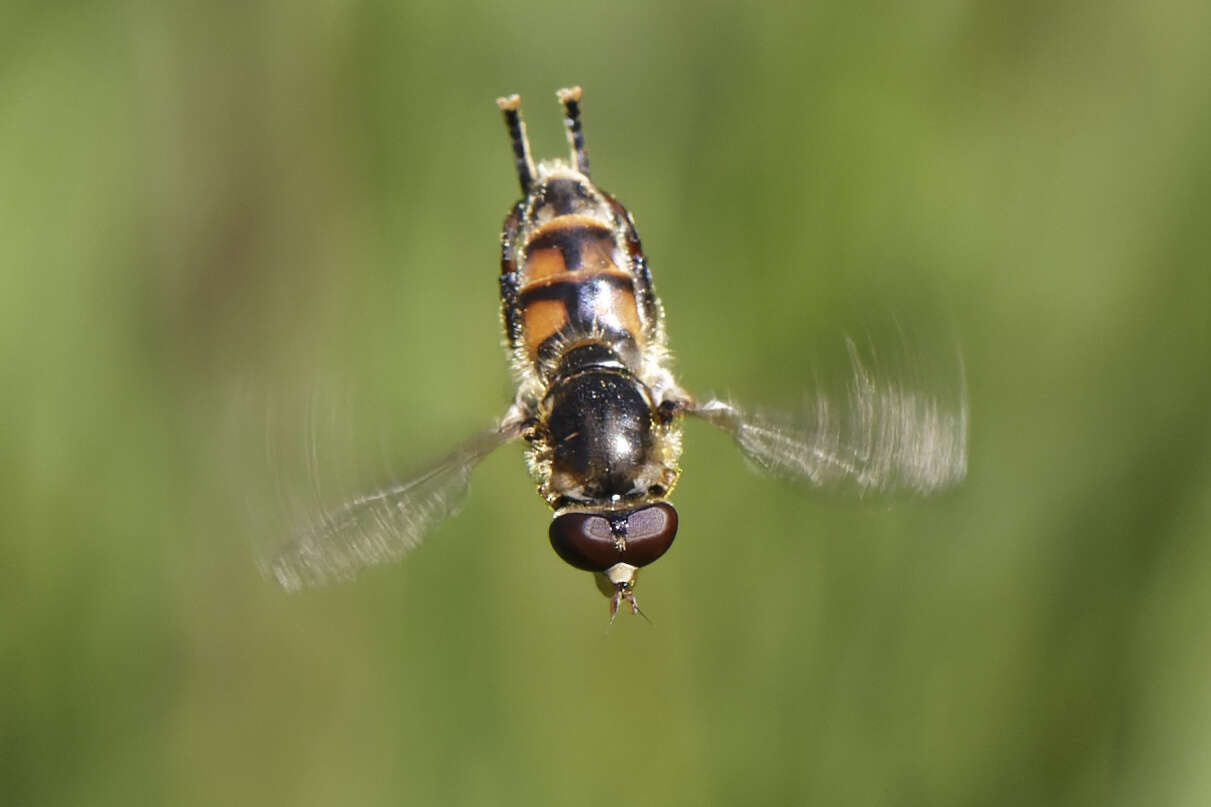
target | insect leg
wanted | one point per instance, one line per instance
(511, 106)
(510, 303)
(570, 98)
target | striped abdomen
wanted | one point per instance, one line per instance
(570, 286)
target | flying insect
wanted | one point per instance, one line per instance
(599, 408)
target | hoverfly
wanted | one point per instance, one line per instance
(600, 410)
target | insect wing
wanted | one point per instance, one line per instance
(384, 525)
(884, 433)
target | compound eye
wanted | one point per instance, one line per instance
(592, 542)
(585, 541)
(650, 533)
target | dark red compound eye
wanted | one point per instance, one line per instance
(584, 541)
(650, 533)
(588, 541)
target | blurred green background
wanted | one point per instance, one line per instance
(204, 202)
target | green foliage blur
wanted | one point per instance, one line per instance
(204, 204)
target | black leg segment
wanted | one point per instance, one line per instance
(511, 107)
(570, 98)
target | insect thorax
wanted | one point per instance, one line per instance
(598, 439)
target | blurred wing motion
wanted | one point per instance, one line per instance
(891, 430)
(382, 526)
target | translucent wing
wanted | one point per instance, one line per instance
(384, 525)
(896, 428)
